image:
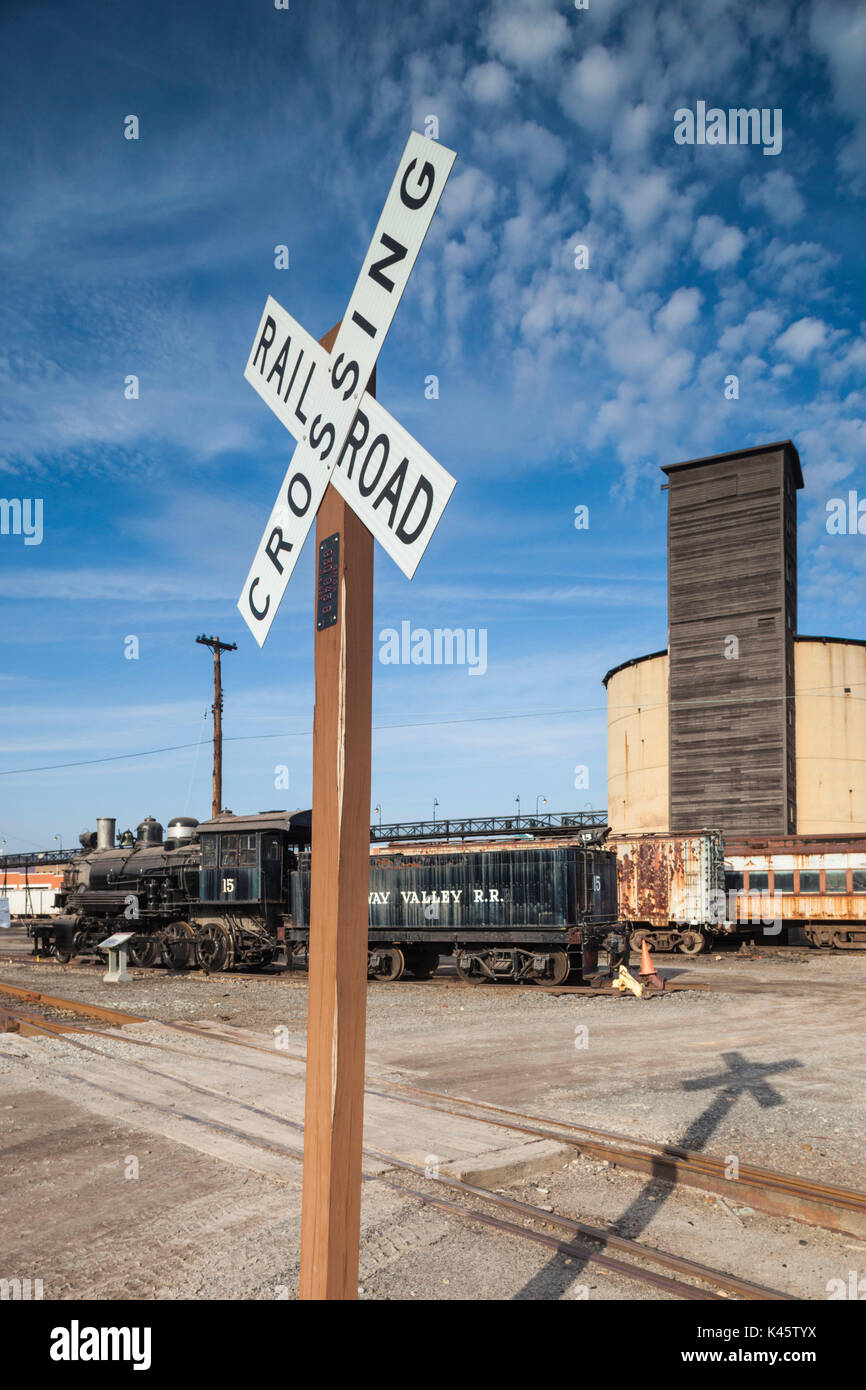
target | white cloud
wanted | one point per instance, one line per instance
(593, 86)
(632, 131)
(119, 585)
(683, 308)
(776, 192)
(539, 154)
(643, 199)
(470, 196)
(803, 338)
(716, 244)
(798, 269)
(528, 34)
(838, 29)
(753, 332)
(852, 359)
(490, 84)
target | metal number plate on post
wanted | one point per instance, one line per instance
(327, 582)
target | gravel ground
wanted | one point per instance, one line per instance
(768, 1065)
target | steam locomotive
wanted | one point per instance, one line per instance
(235, 892)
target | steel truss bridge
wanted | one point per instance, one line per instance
(553, 823)
(465, 828)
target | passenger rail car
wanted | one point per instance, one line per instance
(800, 884)
(235, 891)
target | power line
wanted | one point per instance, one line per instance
(442, 723)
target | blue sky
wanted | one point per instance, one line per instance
(558, 386)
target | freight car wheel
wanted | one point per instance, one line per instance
(391, 965)
(692, 943)
(471, 974)
(560, 968)
(177, 946)
(637, 938)
(143, 951)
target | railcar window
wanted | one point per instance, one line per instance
(784, 881)
(208, 852)
(248, 849)
(733, 881)
(810, 881)
(858, 877)
(758, 881)
(837, 880)
(271, 847)
(229, 851)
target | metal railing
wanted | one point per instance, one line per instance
(465, 828)
(36, 858)
(553, 823)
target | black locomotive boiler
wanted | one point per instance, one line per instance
(235, 891)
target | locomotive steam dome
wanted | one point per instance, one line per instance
(149, 832)
(181, 831)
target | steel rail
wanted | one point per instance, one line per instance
(717, 1278)
(817, 1201)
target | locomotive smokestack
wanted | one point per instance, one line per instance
(105, 831)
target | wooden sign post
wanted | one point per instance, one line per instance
(362, 475)
(339, 888)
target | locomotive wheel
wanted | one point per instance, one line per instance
(392, 967)
(178, 946)
(560, 968)
(143, 951)
(692, 943)
(61, 955)
(212, 948)
(423, 964)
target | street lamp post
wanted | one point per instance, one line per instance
(539, 798)
(60, 838)
(517, 799)
(435, 805)
(377, 810)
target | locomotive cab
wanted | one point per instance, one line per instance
(244, 886)
(245, 867)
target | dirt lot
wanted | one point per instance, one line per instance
(768, 1065)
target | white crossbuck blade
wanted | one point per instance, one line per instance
(344, 435)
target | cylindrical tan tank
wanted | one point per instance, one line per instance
(637, 745)
(830, 685)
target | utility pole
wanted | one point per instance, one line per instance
(217, 646)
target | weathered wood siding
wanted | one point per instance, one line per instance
(732, 578)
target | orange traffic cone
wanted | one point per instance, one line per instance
(648, 971)
(646, 965)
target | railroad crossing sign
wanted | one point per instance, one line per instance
(344, 436)
(385, 485)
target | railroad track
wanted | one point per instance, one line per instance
(782, 1194)
(785, 1194)
(642, 1263)
(788, 1195)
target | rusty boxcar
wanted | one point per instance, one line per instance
(671, 889)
